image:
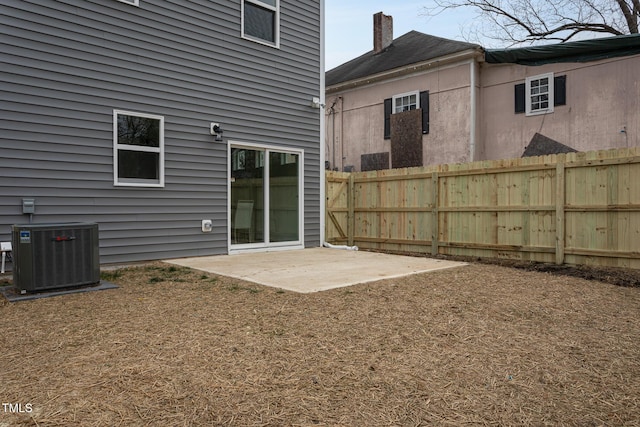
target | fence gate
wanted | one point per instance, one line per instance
(337, 208)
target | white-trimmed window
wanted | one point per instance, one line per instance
(138, 149)
(133, 2)
(406, 102)
(261, 21)
(539, 94)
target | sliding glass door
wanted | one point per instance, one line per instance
(265, 197)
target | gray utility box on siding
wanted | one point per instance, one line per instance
(49, 256)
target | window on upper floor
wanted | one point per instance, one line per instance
(406, 102)
(261, 21)
(138, 149)
(540, 94)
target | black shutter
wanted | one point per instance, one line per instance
(560, 90)
(387, 118)
(520, 98)
(424, 104)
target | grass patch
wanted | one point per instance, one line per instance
(159, 273)
(110, 275)
(169, 274)
(234, 287)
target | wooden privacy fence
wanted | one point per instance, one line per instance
(577, 208)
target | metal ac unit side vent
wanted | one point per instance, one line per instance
(49, 256)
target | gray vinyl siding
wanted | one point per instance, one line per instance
(66, 65)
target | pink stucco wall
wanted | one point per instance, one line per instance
(355, 124)
(603, 99)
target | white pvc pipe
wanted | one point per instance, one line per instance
(473, 119)
(344, 247)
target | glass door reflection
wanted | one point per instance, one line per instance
(284, 199)
(247, 196)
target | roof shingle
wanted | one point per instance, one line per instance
(411, 48)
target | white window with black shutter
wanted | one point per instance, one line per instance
(540, 94)
(406, 102)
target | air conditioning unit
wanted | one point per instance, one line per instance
(50, 256)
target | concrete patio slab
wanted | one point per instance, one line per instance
(315, 269)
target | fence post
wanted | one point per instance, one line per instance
(560, 201)
(351, 219)
(434, 213)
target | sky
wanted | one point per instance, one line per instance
(349, 25)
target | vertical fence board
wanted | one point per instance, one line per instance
(560, 204)
(351, 220)
(435, 216)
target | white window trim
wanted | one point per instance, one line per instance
(527, 101)
(131, 2)
(116, 147)
(275, 9)
(402, 95)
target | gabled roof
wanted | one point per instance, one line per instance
(411, 48)
(578, 51)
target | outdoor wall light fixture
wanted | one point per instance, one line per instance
(217, 131)
(315, 103)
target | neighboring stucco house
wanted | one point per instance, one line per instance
(424, 81)
(418, 100)
(181, 128)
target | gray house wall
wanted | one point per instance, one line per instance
(67, 65)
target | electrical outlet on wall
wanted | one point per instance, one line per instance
(207, 226)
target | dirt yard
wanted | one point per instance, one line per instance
(477, 345)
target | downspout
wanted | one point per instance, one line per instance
(341, 135)
(332, 111)
(473, 119)
(322, 141)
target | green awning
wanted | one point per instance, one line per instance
(578, 51)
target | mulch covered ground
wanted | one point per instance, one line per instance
(479, 345)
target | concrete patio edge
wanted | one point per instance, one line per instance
(314, 269)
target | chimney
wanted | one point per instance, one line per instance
(382, 32)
